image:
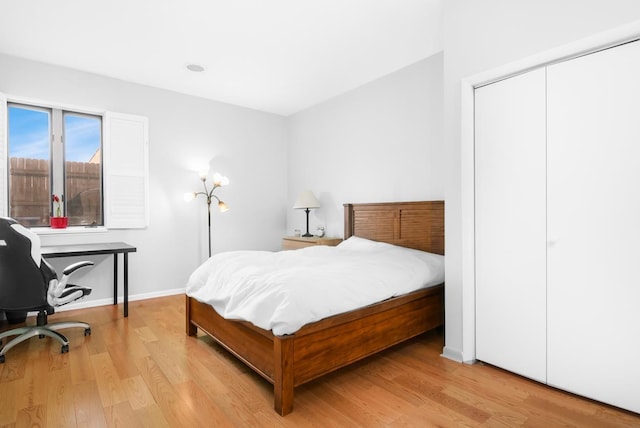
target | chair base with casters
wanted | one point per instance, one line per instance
(41, 329)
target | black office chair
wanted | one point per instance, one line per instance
(29, 283)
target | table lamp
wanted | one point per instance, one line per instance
(306, 200)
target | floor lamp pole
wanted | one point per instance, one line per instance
(209, 223)
(219, 181)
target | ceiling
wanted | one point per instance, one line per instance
(278, 56)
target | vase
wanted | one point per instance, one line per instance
(59, 222)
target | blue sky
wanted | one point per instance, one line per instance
(29, 135)
(82, 137)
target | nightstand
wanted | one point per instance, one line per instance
(295, 242)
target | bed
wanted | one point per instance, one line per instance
(316, 349)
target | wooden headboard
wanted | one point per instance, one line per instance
(418, 225)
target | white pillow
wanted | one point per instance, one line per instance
(356, 243)
(434, 261)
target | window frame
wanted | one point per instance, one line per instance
(50, 152)
(57, 135)
(64, 113)
(117, 212)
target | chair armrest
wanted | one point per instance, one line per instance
(59, 293)
(74, 267)
(56, 288)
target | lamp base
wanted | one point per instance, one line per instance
(307, 235)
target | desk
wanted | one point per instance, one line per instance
(97, 249)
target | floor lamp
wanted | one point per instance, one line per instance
(218, 181)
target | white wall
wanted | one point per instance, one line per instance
(481, 36)
(378, 143)
(185, 133)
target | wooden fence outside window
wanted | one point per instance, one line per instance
(30, 192)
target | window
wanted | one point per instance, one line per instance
(55, 137)
(83, 168)
(29, 165)
(54, 152)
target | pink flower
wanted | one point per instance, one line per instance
(56, 201)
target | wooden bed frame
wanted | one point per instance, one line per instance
(326, 345)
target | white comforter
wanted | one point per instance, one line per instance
(282, 291)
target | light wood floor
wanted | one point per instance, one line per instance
(145, 371)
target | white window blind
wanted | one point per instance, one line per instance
(126, 171)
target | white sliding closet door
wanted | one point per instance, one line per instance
(510, 249)
(594, 226)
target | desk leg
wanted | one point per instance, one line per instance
(126, 284)
(115, 278)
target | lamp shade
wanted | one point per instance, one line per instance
(306, 199)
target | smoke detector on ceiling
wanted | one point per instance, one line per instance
(196, 68)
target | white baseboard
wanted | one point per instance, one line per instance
(452, 354)
(109, 300)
